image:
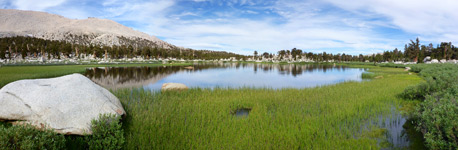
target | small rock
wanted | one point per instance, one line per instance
(173, 87)
(189, 67)
(407, 69)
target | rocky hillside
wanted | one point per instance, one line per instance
(85, 31)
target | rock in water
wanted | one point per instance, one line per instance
(173, 87)
(66, 104)
(189, 68)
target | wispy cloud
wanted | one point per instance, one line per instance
(360, 26)
(433, 20)
(36, 5)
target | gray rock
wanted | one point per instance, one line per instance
(173, 87)
(427, 58)
(407, 69)
(66, 104)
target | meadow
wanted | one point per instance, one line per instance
(327, 117)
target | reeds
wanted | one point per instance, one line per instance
(328, 117)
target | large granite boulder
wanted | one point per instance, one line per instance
(66, 104)
(173, 87)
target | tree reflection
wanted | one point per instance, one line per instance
(118, 77)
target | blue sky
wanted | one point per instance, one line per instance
(242, 26)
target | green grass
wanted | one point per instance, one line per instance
(368, 75)
(328, 117)
(12, 73)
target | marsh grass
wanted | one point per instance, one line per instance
(327, 117)
(368, 75)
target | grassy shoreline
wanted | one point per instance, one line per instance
(13, 73)
(326, 117)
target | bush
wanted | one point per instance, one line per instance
(392, 65)
(28, 137)
(439, 80)
(106, 133)
(437, 115)
(438, 121)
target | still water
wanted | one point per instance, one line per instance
(233, 75)
(400, 132)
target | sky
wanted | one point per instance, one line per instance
(243, 26)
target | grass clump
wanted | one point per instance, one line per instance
(28, 137)
(368, 75)
(107, 133)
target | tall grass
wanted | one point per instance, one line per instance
(328, 117)
(368, 75)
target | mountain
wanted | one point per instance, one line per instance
(77, 31)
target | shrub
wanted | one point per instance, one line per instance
(439, 80)
(437, 115)
(392, 65)
(106, 133)
(438, 121)
(28, 137)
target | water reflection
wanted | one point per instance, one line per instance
(243, 112)
(224, 75)
(126, 77)
(401, 133)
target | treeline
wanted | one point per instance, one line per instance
(413, 52)
(30, 47)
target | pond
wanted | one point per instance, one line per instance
(242, 112)
(400, 131)
(233, 75)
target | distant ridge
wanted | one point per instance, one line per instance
(78, 31)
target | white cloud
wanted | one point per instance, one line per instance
(308, 29)
(36, 5)
(151, 14)
(360, 26)
(430, 19)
